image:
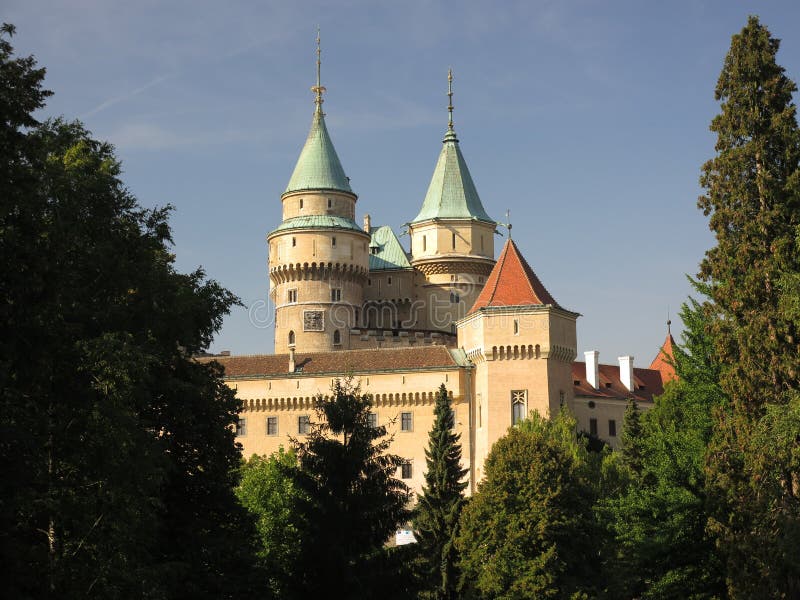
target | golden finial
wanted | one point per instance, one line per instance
(450, 99)
(319, 88)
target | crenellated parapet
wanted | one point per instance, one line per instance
(317, 271)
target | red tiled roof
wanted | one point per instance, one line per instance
(648, 383)
(663, 363)
(341, 362)
(512, 282)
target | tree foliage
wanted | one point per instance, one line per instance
(529, 532)
(439, 506)
(117, 454)
(351, 501)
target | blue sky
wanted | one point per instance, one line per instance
(587, 119)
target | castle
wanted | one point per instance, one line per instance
(350, 300)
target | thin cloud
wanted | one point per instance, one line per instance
(122, 97)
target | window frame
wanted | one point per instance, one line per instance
(407, 418)
(303, 424)
(273, 420)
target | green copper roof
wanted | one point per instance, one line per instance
(318, 167)
(452, 194)
(317, 222)
(385, 251)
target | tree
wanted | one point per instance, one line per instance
(632, 450)
(529, 531)
(352, 502)
(117, 450)
(753, 199)
(267, 489)
(439, 506)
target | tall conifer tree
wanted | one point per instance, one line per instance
(442, 498)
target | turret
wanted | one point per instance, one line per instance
(452, 237)
(318, 255)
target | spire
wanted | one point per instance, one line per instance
(451, 193)
(318, 167)
(665, 361)
(512, 282)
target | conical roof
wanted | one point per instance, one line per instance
(318, 167)
(451, 193)
(665, 361)
(512, 282)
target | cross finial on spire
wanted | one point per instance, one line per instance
(450, 99)
(507, 225)
(318, 89)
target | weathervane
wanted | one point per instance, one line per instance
(507, 225)
(318, 89)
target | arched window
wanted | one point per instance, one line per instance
(291, 338)
(516, 327)
(337, 337)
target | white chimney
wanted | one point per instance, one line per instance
(626, 372)
(291, 360)
(367, 224)
(593, 368)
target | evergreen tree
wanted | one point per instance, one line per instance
(351, 500)
(439, 506)
(753, 198)
(632, 450)
(529, 531)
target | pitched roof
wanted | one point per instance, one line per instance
(385, 251)
(317, 222)
(318, 167)
(512, 282)
(341, 362)
(664, 361)
(451, 193)
(648, 383)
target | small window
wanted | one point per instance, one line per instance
(591, 404)
(372, 419)
(480, 416)
(336, 295)
(369, 281)
(291, 296)
(373, 249)
(241, 428)
(519, 399)
(481, 243)
(516, 327)
(593, 426)
(294, 242)
(272, 425)
(454, 241)
(612, 428)
(405, 470)
(337, 338)
(454, 298)
(406, 422)
(388, 281)
(333, 241)
(291, 338)
(330, 204)
(424, 243)
(303, 424)
(301, 203)
(608, 385)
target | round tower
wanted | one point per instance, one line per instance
(318, 255)
(452, 237)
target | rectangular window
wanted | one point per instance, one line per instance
(303, 424)
(241, 428)
(272, 425)
(333, 241)
(593, 426)
(405, 470)
(336, 295)
(291, 296)
(519, 402)
(612, 428)
(372, 420)
(406, 422)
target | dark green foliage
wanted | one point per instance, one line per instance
(117, 454)
(529, 532)
(351, 502)
(753, 197)
(439, 506)
(632, 446)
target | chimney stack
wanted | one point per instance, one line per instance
(593, 368)
(626, 372)
(291, 360)
(367, 224)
